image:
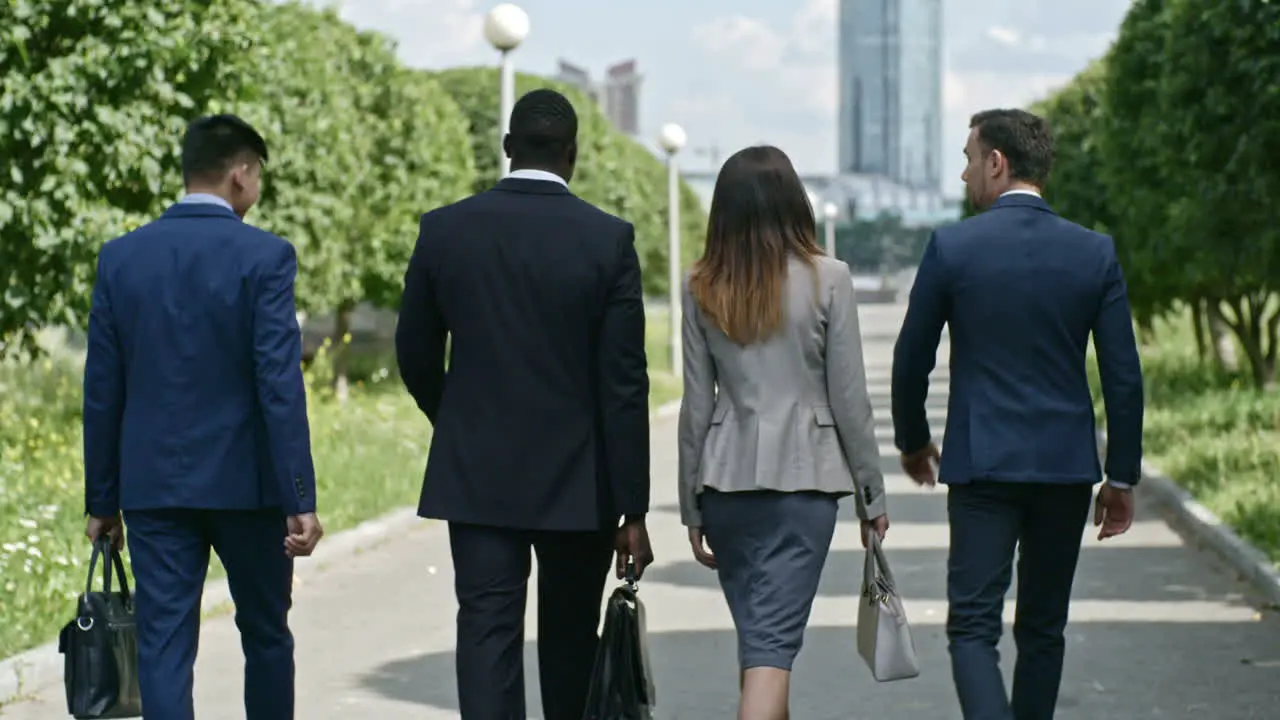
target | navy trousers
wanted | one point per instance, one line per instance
(989, 520)
(169, 551)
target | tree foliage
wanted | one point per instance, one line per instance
(614, 172)
(365, 146)
(1073, 113)
(94, 96)
(1170, 145)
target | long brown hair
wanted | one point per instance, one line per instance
(760, 217)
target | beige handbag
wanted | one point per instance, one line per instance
(884, 638)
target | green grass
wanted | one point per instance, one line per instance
(1214, 434)
(663, 386)
(369, 456)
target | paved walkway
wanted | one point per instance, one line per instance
(1158, 630)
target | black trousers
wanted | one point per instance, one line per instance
(988, 521)
(491, 578)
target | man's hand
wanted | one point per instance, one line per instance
(305, 532)
(1113, 511)
(110, 526)
(922, 465)
(878, 525)
(701, 551)
(632, 544)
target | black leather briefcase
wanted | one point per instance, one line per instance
(100, 646)
(622, 681)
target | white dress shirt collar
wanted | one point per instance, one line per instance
(205, 199)
(530, 174)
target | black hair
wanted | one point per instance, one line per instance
(213, 144)
(1023, 138)
(544, 129)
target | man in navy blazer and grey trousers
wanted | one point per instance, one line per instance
(1021, 290)
(195, 422)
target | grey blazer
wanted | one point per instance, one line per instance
(790, 413)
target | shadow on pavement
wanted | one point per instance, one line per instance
(1120, 574)
(1190, 670)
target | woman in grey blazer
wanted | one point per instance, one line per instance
(776, 422)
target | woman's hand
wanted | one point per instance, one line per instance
(701, 551)
(878, 525)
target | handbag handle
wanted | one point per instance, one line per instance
(876, 570)
(102, 547)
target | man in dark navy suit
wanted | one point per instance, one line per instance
(1020, 290)
(195, 422)
(541, 417)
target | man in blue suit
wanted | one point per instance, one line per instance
(195, 422)
(1020, 290)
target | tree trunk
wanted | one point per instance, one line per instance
(1224, 348)
(1257, 328)
(1146, 330)
(341, 347)
(1197, 327)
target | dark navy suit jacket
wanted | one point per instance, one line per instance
(542, 420)
(193, 390)
(1020, 290)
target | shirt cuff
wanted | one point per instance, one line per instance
(1120, 485)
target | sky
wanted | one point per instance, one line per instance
(740, 72)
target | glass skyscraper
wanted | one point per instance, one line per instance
(890, 73)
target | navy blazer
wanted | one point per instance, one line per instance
(542, 419)
(193, 389)
(1020, 290)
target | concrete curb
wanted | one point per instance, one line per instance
(1205, 528)
(41, 667)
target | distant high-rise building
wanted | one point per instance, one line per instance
(618, 95)
(577, 77)
(622, 96)
(890, 91)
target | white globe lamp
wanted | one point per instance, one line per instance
(672, 138)
(506, 26)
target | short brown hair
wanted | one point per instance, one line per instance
(1022, 137)
(760, 217)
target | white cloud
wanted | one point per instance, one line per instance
(1004, 35)
(748, 42)
(791, 63)
(431, 33)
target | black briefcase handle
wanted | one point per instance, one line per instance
(102, 547)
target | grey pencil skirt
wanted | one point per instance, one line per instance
(770, 548)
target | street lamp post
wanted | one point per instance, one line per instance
(829, 213)
(672, 139)
(505, 27)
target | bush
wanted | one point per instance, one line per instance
(1213, 433)
(369, 456)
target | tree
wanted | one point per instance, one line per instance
(366, 147)
(1133, 170)
(96, 96)
(1074, 113)
(614, 172)
(1220, 103)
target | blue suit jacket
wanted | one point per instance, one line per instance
(193, 390)
(1020, 290)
